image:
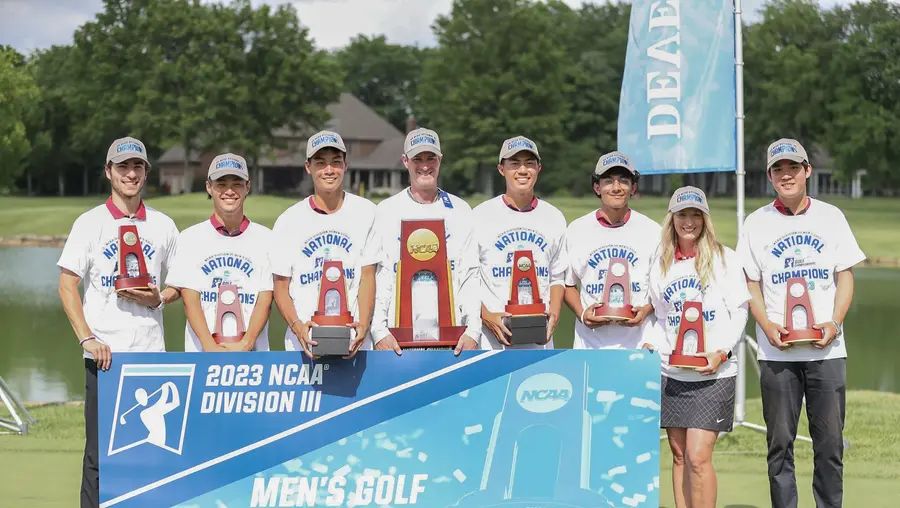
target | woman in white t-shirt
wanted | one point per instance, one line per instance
(698, 400)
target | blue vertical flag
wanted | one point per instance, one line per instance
(678, 101)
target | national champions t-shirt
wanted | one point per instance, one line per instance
(499, 232)
(721, 299)
(814, 245)
(92, 252)
(303, 239)
(590, 246)
(208, 259)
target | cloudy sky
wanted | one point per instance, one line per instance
(33, 24)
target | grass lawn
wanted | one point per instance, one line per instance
(54, 445)
(875, 221)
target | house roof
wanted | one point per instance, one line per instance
(350, 117)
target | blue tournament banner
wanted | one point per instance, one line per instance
(560, 428)
(677, 108)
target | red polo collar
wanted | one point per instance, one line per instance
(681, 257)
(604, 221)
(512, 206)
(141, 213)
(783, 210)
(222, 230)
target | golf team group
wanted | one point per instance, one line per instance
(668, 265)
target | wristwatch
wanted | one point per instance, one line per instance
(725, 355)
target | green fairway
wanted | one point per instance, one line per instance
(43, 469)
(874, 221)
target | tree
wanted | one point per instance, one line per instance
(384, 76)
(279, 80)
(497, 72)
(17, 93)
(865, 130)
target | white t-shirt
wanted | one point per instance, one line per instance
(462, 253)
(589, 247)
(499, 232)
(815, 245)
(207, 258)
(91, 252)
(303, 239)
(722, 299)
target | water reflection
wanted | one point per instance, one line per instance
(41, 359)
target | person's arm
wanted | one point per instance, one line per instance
(469, 290)
(843, 296)
(773, 331)
(285, 304)
(366, 300)
(262, 309)
(193, 311)
(71, 302)
(559, 264)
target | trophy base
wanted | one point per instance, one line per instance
(140, 282)
(448, 338)
(802, 336)
(527, 329)
(615, 313)
(331, 340)
(221, 339)
(688, 361)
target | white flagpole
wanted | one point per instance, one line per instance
(741, 389)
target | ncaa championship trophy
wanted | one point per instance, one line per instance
(423, 263)
(546, 436)
(132, 267)
(229, 304)
(616, 302)
(528, 322)
(798, 314)
(691, 339)
(332, 334)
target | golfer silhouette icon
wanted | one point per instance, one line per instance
(154, 416)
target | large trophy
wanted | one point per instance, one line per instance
(332, 335)
(691, 339)
(798, 314)
(528, 322)
(133, 272)
(424, 266)
(228, 305)
(616, 302)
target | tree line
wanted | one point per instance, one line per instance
(212, 75)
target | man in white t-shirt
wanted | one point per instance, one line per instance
(423, 199)
(329, 225)
(513, 221)
(798, 236)
(107, 321)
(612, 231)
(225, 249)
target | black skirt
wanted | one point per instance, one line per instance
(698, 404)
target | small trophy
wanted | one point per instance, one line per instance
(424, 266)
(228, 307)
(616, 303)
(332, 334)
(798, 314)
(690, 339)
(132, 267)
(528, 322)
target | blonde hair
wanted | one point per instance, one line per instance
(707, 248)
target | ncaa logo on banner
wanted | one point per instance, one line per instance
(544, 393)
(152, 406)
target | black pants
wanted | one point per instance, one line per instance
(90, 473)
(784, 385)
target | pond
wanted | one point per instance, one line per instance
(41, 359)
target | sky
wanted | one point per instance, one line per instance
(36, 24)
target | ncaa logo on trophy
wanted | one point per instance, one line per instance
(152, 406)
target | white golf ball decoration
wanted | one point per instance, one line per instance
(332, 274)
(618, 269)
(692, 314)
(797, 290)
(228, 297)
